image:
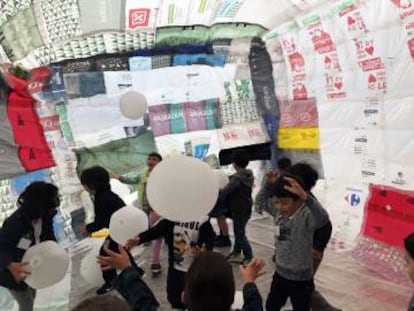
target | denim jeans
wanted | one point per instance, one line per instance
(241, 243)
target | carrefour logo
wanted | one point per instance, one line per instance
(354, 199)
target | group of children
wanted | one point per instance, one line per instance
(198, 278)
(302, 229)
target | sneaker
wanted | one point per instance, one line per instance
(104, 289)
(235, 258)
(223, 242)
(156, 269)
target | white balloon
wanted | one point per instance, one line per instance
(126, 223)
(182, 189)
(133, 105)
(119, 188)
(48, 263)
(221, 178)
(90, 270)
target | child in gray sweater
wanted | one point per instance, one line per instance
(298, 215)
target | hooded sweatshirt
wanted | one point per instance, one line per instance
(238, 192)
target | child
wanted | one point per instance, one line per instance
(298, 215)
(181, 239)
(95, 180)
(238, 195)
(322, 235)
(141, 180)
(30, 224)
(283, 165)
(209, 284)
(409, 256)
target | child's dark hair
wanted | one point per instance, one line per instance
(209, 283)
(95, 178)
(102, 303)
(409, 245)
(38, 198)
(241, 158)
(284, 164)
(307, 173)
(155, 155)
(278, 188)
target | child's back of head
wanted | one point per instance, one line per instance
(284, 164)
(241, 158)
(209, 283)
(103, 303)
(305, 172)
(95, 178)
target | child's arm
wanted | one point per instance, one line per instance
(129, 283)
(158, 231)
(319, 216)
(102, 211)
(129, 180)
(10, 234)
(251, 296)
(135, 291)
(264, 200)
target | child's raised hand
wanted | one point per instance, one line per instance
(19, 270)
(253, 270)
(114, 260)
(132, 242)
(296, 188)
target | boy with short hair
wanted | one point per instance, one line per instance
(409, 257)
(298, 215)
(210, 284)
(283, 165)
(141, 180)
(182, 239)
(238, 196)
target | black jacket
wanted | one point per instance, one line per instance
(16, 227)
(238, 192)
(105, 203)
